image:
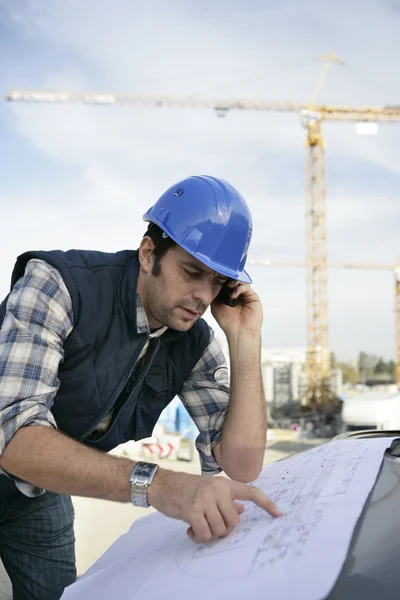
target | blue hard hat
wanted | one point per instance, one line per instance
(208, 218)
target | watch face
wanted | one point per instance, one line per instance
(143, 469)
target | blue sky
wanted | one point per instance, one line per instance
(76, 176)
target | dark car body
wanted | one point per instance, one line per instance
(372, 568)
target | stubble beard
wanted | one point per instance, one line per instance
(166, 316)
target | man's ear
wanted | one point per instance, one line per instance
(146, 257)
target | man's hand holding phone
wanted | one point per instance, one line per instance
(244, 310)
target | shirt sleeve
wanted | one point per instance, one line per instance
(38, 320)
(205, 395)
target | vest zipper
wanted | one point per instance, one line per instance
(116, 394)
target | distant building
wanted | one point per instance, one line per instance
(285, 378)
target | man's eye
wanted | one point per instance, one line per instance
(191, 273)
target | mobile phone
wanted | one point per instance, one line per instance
(225, 295)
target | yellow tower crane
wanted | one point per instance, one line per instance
(318, 362)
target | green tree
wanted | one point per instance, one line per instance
(381, 367)
(392, 368)
(350, 374)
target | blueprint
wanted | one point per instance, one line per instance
(321, 492)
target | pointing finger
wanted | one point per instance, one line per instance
(254, 494)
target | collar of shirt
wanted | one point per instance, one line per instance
(142, 323)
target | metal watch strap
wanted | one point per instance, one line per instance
(141, 477)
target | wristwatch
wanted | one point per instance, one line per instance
(141, 477)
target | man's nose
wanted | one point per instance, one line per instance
(204, 292)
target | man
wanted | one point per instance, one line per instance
(93, 346)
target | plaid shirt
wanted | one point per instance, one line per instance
(39, 319)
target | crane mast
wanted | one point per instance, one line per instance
(318, 354)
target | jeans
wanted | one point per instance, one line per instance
(37, 543)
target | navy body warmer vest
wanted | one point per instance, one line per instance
(100, 370)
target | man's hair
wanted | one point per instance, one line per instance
(162, 243)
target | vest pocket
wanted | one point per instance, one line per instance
(157, 381)
(155, 395)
